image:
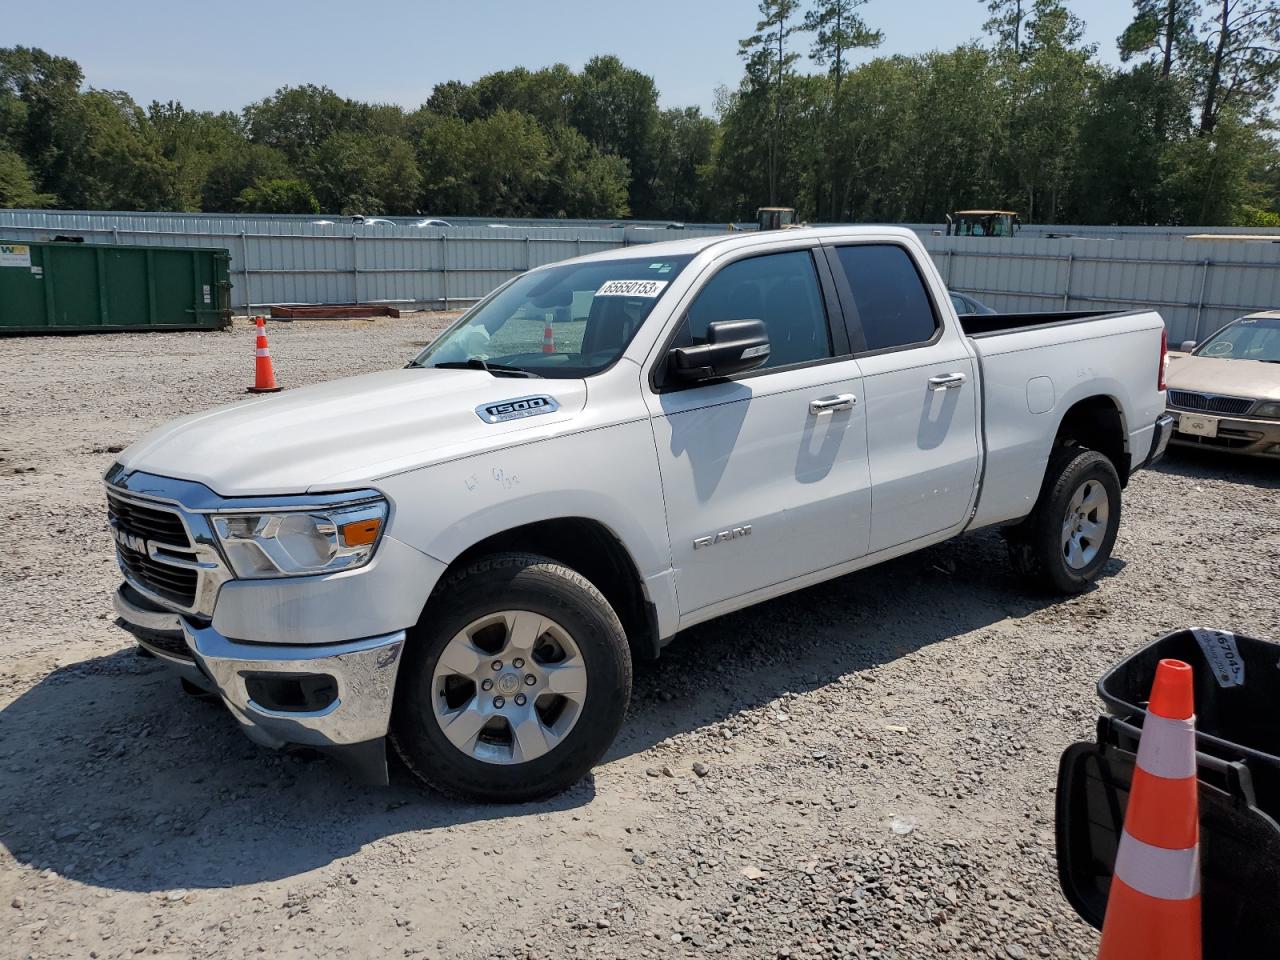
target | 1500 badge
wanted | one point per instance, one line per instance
(516, 409)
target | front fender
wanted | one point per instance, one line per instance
(609, 475)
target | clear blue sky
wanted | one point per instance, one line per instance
(224, 54)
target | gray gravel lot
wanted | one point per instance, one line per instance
(863, 769)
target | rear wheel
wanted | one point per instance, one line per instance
(1065, 543)
(515, 683)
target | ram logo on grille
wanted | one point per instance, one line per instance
(516, 409)
(129, 541)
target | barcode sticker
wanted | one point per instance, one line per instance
(1220, 650)
(632, 288)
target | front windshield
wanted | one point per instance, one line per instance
(571, 320)
(1251, 338)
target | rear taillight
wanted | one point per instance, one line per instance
(1164, 359)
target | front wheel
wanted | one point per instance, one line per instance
(514, 684)
(1067, 540)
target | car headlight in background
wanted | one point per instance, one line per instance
(1270, 410)
(283, 543)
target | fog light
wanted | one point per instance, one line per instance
(284, 694)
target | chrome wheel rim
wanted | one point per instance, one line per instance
(509, 687)
(1085, 525)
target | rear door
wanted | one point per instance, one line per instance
(764, 474)
(921, 393)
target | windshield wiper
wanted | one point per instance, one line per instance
(493, 369)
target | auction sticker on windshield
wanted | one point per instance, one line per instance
(632, 288)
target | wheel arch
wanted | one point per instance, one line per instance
(1097, 422)
(592, 549)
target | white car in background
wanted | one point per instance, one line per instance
(1225, 393)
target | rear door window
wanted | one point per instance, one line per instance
(889, 297)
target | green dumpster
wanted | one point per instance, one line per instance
(83, 287)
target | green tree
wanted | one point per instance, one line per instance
(364, 173)
(1211, 179)
(113, 161)
(1124, 148)
(581, 181)
(192, 141)
(39, 93)
(509, 159)
(1164, 28)
(278, 195)
(443, 152)
(616, 109)
(1049, 89)
(17, 186)
(957, 123)
(770, 63)
(1006, 22)
(684, 151)
(838, 28)
(297, 120)
(237, 167)
(1240, 50)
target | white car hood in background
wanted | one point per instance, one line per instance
(1234, 378)
(346, 432)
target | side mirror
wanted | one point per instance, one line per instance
(733, 346)
(1187, 346)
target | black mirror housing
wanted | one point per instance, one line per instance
(733, 346)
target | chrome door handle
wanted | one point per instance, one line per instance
(844, 401)
(946, 381)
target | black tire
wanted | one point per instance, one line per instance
(1035, 545)
(493, 584)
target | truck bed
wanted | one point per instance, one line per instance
(986, 324)
(1034, 367)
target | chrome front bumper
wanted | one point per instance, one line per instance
(363, 671)
(363, 675)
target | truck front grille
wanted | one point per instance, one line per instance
(154, 550)
(1209, 402)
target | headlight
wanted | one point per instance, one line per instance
(1269, 410)
(294, 544)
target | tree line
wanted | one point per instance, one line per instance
(1027, 118)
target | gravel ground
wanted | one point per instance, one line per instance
(862, 769)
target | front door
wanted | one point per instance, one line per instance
(765, 475)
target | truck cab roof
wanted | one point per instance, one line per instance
(729, 242)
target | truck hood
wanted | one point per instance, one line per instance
(1233, 378)
(340, 434)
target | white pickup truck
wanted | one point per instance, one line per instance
(464, 556)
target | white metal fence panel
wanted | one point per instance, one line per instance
(1197, 286)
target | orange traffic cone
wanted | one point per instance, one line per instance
(264, 376)
(1153, 911)
(548, 343)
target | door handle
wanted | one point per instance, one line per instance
(946, 381)
(844, 401)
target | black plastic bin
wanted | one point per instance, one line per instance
(1237, 691)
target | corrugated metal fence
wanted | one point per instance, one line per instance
(287, 260)
(1197, 286)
